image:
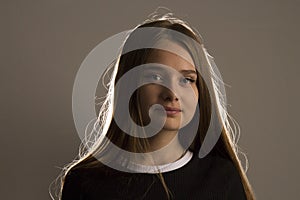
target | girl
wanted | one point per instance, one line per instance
(175, 142)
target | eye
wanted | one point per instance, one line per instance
(153, 77)
(187, 80)
(156, 77)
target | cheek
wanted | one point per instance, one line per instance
(190, 97)
(196, 93)
(147, 97)
(148, 93)
(196, 99)
(190, 102)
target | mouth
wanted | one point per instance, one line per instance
(172, 110)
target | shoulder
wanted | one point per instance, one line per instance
(76, 182)
(71, 188)
(222, 165)
(210, 170)
(214, 176)
(221, 173)
(107, 183)
(85, 183)
(85, 176)
(232, 178)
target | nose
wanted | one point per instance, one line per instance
(168, 95)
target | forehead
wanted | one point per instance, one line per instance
(182, 60)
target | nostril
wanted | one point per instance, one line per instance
(169, 97)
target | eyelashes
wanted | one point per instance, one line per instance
(155, 77)
(188, 80)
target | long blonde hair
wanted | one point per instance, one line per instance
(106, 127)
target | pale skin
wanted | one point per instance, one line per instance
(179, 107)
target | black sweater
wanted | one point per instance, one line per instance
(211, 177)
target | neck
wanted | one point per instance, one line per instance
(165, 147)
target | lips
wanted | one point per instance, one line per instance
(172, 111)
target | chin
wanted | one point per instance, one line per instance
(171, 126)
(170, 129)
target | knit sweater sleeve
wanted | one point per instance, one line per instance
(235, 188)
(72, 189)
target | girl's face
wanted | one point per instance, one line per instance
(179, 98)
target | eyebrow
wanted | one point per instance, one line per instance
(184, 71)
(188, 72)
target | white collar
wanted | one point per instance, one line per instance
(151, 169)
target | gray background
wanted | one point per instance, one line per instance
(255, 45)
